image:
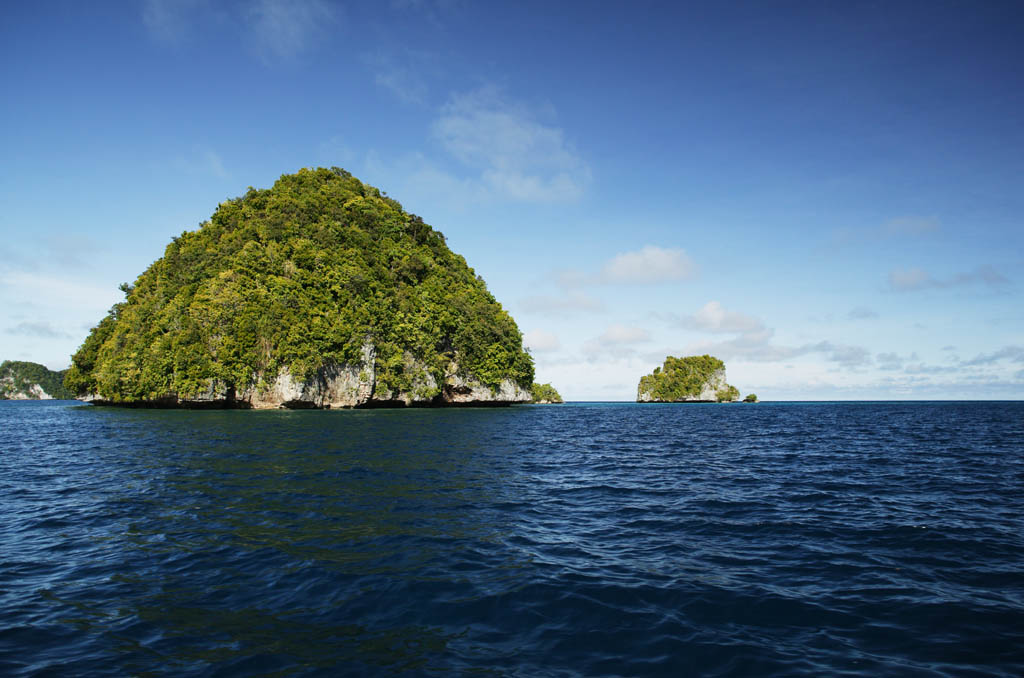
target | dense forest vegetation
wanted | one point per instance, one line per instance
(19, 377)
(545, 393)
(301, 275)
(685, 378)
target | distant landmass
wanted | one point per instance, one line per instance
(693, 379)
(545, 394)
(318, 292)
(31, 381)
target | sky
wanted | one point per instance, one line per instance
(828, 196)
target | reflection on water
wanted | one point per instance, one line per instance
(294, 534)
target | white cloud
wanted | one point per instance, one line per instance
(618, 334)
(1011, 353)
(922, 368)
(910, 279)
(433, 11)
(541, 341)
(713, 318)
(201, 161)
(912, 364)
(75, 302)
(279, 28)
(169, 20)
(569, 278)
(754, 341)
(422, 5)
(64, 248)
(757, 346)
(862, 313)
(573, 302)
(582, 378)
(58, 293)
(899, 227)
(214, 164)
(649, 264)
(400, 74)
(751, 346)
(402, 84)
(910, 226)
(286, 27)
(915, 279)
(419, 180)
(337, 153)
(615, 343)
(851, 357)
(518, 158)
(889, 362)
(42, 329)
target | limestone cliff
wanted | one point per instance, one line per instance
(339, 387)
(30, 381)
(9, 391)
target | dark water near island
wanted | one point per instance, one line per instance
(787, 539)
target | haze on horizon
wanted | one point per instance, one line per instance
(826, 196)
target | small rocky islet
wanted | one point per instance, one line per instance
(545, 394)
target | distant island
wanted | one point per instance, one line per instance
(693, 379)
(320, 292)
(31, 381)
(545, 394)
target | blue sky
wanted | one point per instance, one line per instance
(828, 196)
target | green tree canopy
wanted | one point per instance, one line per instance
(684, 379)
(728, 394)
(545, 393)
(301, 276)
(19, 377)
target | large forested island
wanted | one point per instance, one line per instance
(693, 379)
(21, 380)
(319, 292)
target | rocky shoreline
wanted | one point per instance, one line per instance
(340, 387)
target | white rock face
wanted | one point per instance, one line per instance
(33, 392)
(459, 389)
(708, 392)
(346, 386)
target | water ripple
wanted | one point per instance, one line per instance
(855, 539)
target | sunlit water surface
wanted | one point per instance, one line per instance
(853, 539)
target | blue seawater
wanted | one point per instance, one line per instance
(778, 539)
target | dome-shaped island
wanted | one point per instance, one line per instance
(320, 292)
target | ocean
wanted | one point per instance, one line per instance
(586, 539)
